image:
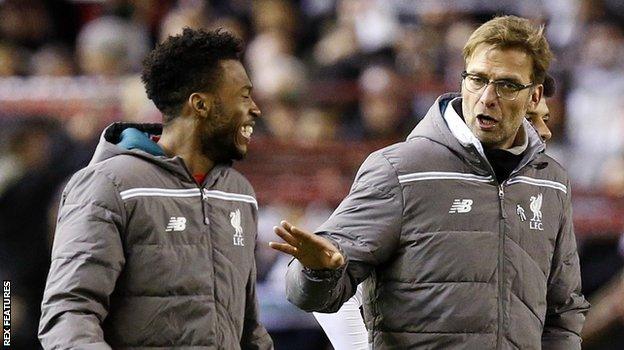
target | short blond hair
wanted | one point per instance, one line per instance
(506, 32)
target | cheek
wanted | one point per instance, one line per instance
(515, 112)
(467, 105)
(466, 96)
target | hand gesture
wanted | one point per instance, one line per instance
(314, 252)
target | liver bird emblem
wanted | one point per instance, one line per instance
(235, 220)
(536, 207)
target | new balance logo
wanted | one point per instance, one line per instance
(176, 224)
(461, 206)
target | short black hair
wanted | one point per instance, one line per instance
(549, 86)
(186, 63)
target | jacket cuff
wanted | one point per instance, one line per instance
(312, 290)
(325, 275)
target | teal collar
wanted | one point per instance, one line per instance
(132, 138)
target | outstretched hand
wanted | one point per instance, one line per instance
(312, 251)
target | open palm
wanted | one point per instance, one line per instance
(314, 252)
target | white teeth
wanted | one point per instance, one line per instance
(246, 131)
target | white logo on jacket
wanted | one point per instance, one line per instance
(176, 224)
(536, 208)
(461, 206)
(520, 212)
(235, 220)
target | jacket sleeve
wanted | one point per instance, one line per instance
(87, 257)
(366, 227)
(566, 306)
(255, 336)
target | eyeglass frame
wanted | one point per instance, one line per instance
(518, 87)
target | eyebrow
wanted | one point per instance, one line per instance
(509, 79)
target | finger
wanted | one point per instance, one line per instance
(297, 232)
(336, 260)
(286, 225)
(286, 236)
(284, 248)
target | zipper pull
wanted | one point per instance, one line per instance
(501, 197)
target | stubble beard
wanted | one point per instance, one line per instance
(498, 138)
(218, 138)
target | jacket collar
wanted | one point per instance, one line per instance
(108, 147)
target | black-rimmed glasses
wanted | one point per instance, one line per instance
(505, 89)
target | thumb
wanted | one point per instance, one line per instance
(336, 260)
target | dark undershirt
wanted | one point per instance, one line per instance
(503, 162)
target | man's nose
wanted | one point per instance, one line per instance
(544, 132)
(255, 111)
(488, 96)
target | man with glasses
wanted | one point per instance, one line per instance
(345, 328)
(463, 233)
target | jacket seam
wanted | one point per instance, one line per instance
(530, 258)
(400, 191)
(161, 296)
(529, 308)
(120, 203)
(424, 332)
(434, 282)
(96, 261)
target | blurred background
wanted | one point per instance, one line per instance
(335, 79)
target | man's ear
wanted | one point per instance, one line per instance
(536, 96)
(201, 103)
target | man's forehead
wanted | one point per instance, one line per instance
(500, 63)
(234, 73)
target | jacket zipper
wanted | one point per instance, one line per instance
(501, 248)
(202, 200)
(201, 194)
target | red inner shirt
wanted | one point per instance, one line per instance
(199, 178)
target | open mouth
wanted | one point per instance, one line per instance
(246, 131)
(486, 122)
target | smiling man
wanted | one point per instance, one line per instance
(154, 246)
(463, 233)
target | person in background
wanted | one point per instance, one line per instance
(539, 116)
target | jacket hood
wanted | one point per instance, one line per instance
(111, 136)
(435, 128)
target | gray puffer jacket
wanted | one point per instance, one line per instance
(454, 259)
(144, 258)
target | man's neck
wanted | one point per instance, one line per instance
(176, 140)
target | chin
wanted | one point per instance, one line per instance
(487, 140)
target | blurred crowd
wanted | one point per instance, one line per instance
(334, 79)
